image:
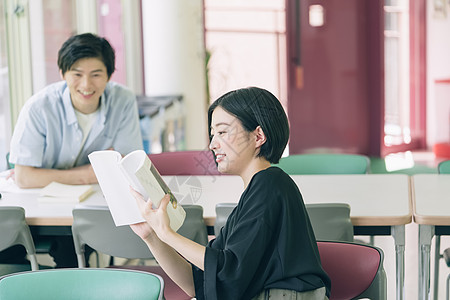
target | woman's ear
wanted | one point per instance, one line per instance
(260, 136)
(61, 74)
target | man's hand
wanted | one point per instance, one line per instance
(11, 175)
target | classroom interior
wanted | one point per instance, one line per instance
(365, 77)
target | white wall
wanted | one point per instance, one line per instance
(174, 59)
(438, 67)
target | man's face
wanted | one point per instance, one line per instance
(86, 79)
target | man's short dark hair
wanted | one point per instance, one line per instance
(86, 45)
(255, 107)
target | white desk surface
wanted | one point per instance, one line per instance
(431, 197)
(375, 199)
(43, 214)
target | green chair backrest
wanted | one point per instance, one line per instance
(8, 164)
(77, 284)
(310, 164)
(92, 224)
(331, 221)
(444, 167)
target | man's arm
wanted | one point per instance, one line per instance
(32, 177)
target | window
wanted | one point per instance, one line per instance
(120, 23)
(5, 120)
(405, 79)
(239, 36)
(397, 128)
(52, 23)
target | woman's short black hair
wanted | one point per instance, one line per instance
(86, 45)
(257, 107)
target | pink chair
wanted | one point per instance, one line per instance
(356, 270)
(185, 163)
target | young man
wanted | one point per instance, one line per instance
(61, 125)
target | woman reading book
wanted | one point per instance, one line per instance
(267, 247)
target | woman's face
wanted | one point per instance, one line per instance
(233, 146)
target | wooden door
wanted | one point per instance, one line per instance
(338, 103)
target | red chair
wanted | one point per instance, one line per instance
(356, 270)
(185, 163)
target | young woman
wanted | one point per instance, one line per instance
(267, 247)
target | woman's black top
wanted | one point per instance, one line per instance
(267, 242)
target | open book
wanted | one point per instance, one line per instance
(115, 175)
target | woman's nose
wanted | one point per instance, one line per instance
(212, 143)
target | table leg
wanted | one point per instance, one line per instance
(398, 233)
(437, 258)
(426, 233)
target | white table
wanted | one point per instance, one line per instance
(431, 195)
(45, 214)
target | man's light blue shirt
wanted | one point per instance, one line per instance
(47, 133)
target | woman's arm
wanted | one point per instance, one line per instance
(175, 266)
(170, 249)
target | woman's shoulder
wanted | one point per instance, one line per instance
(272, 175)
(272, 182)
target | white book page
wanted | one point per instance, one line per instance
(147, 181)
(115, 187)
(136, 167)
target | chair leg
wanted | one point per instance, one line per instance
(437, 258)
(33, 261)
(81, 261)
(448, 287)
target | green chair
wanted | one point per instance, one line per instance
(77, 284)
(223, 210)
(310, 164)
(43, 244)
(444, 167)
(94, 226)
(330, 221)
